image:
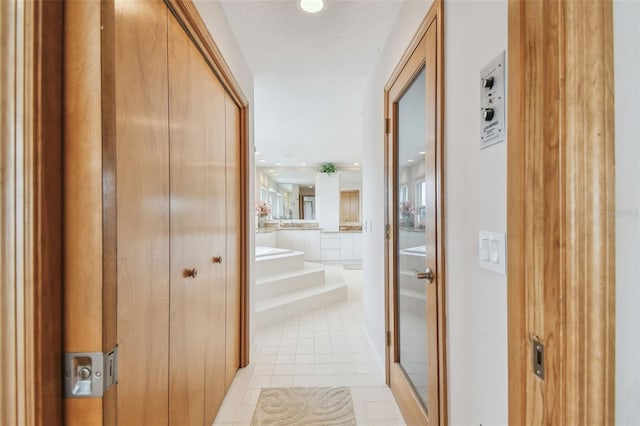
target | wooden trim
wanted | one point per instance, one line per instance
(10, 324)
(83, 203)
(187, 15)
(560, 195)
(440, 220)
(433, 15)
(245, 234)
(30, 255)
(408, 64)
(109, 199)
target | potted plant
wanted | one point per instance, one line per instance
(262, 211)
(407, 212)
(328, 168)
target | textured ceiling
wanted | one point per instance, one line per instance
(310, 74)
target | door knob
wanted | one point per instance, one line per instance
(426, 275)
(190, 273)
(217, 259)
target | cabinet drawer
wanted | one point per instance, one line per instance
(330, 243)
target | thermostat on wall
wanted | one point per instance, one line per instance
(492, 103)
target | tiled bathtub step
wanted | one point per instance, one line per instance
(274, 309)
(277, 285)
(279, 264)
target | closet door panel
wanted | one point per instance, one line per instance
(196, 115)
(214, 373)
(233, 238)
(142, 179)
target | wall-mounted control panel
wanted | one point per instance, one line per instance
(492, 251)
(492, 102)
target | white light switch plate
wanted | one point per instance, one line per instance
(492, 251)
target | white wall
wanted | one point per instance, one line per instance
(475, 199)
(627, 117)
(216, 21)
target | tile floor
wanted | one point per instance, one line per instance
(326, 347)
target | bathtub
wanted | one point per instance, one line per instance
(262, 251)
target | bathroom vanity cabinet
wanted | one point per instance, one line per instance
(316, 244)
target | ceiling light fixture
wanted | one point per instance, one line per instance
(311, 6)
(278, 164)
(356, 164)
(303, 164)
(411, 161)
(256, 153)
(422, 153)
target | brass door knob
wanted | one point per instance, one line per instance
(426, 275)
(217, 259)
(190, 273)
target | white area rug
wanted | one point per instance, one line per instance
(304, 406)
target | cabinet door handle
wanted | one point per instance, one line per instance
(217, 259)
(190, 273)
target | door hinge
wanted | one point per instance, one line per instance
(388, 338)
(387, 126)
(89, 374)
(387, 232)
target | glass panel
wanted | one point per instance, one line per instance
(412, 292)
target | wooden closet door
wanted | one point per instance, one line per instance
(142, 172)
(197, 174)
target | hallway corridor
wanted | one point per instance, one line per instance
(326, 347)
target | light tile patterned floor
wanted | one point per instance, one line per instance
(326, 347)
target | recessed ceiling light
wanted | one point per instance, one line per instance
(356, 164)
(422, 153)
(278, 164)
(311, 6)
(411, 161)
(263, 161)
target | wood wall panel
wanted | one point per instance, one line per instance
(142, 174)
(560, 190)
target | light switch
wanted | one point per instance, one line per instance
(484, 249)
(492, 251)
(495, 251)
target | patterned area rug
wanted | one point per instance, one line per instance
(308, 406)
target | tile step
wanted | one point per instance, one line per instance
(281, 307)
(280, 284)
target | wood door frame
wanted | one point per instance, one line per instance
(560, 195)
(433, 17)
(31, 214)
